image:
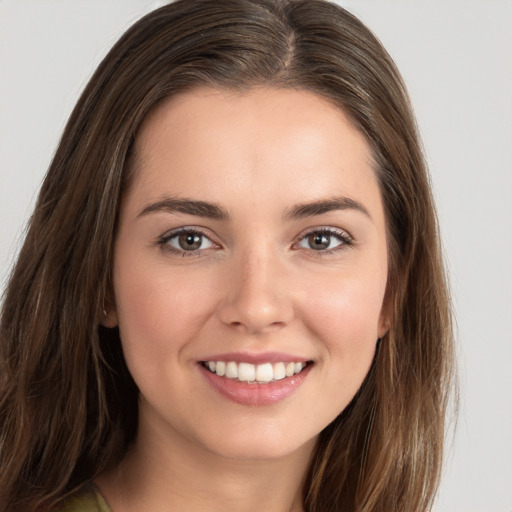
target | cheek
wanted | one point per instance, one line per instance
(345, 314)
(158, 310)
(159, 315)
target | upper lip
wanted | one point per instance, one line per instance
(255, 358)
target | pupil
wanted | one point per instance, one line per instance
(190, 241)
(319, 241)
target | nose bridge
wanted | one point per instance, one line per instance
(255, 298)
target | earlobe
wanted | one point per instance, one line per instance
(384, 321)
(108, 317)
(384, 327)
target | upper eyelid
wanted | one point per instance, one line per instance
(325, 229)
(186, 229)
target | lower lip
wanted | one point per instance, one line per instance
(255, 394)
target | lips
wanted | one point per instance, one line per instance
(251, 380)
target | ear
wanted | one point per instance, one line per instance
(108, 316)
(383, 329)
(384, 318)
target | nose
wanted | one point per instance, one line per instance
(257, 296)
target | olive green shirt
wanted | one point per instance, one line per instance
(87, 499)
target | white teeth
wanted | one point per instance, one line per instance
(264, 372)
(220, 368)
(247, 372)
(279, 371)
(231, 370)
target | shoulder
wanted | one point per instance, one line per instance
(86, 499)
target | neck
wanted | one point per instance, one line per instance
(180, 475)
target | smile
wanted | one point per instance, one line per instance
(255, 373)
(255, 383)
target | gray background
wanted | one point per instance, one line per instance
(455, 56)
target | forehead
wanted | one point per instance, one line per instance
(282, 137)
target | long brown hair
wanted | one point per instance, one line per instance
(68, 406)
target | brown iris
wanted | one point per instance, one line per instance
(190, 241)
(319, 241)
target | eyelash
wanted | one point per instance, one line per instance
(342, 236)
(163, 242)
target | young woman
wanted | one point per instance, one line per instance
(231, 293)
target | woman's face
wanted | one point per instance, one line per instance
(250, 270)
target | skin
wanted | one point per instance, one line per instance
(254, 285)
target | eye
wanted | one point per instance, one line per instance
(326, 239)
(186, 240)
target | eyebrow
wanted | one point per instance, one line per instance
(186, 206)
(216, 212)
(325, 206)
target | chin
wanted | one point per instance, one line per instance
(260, 444)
